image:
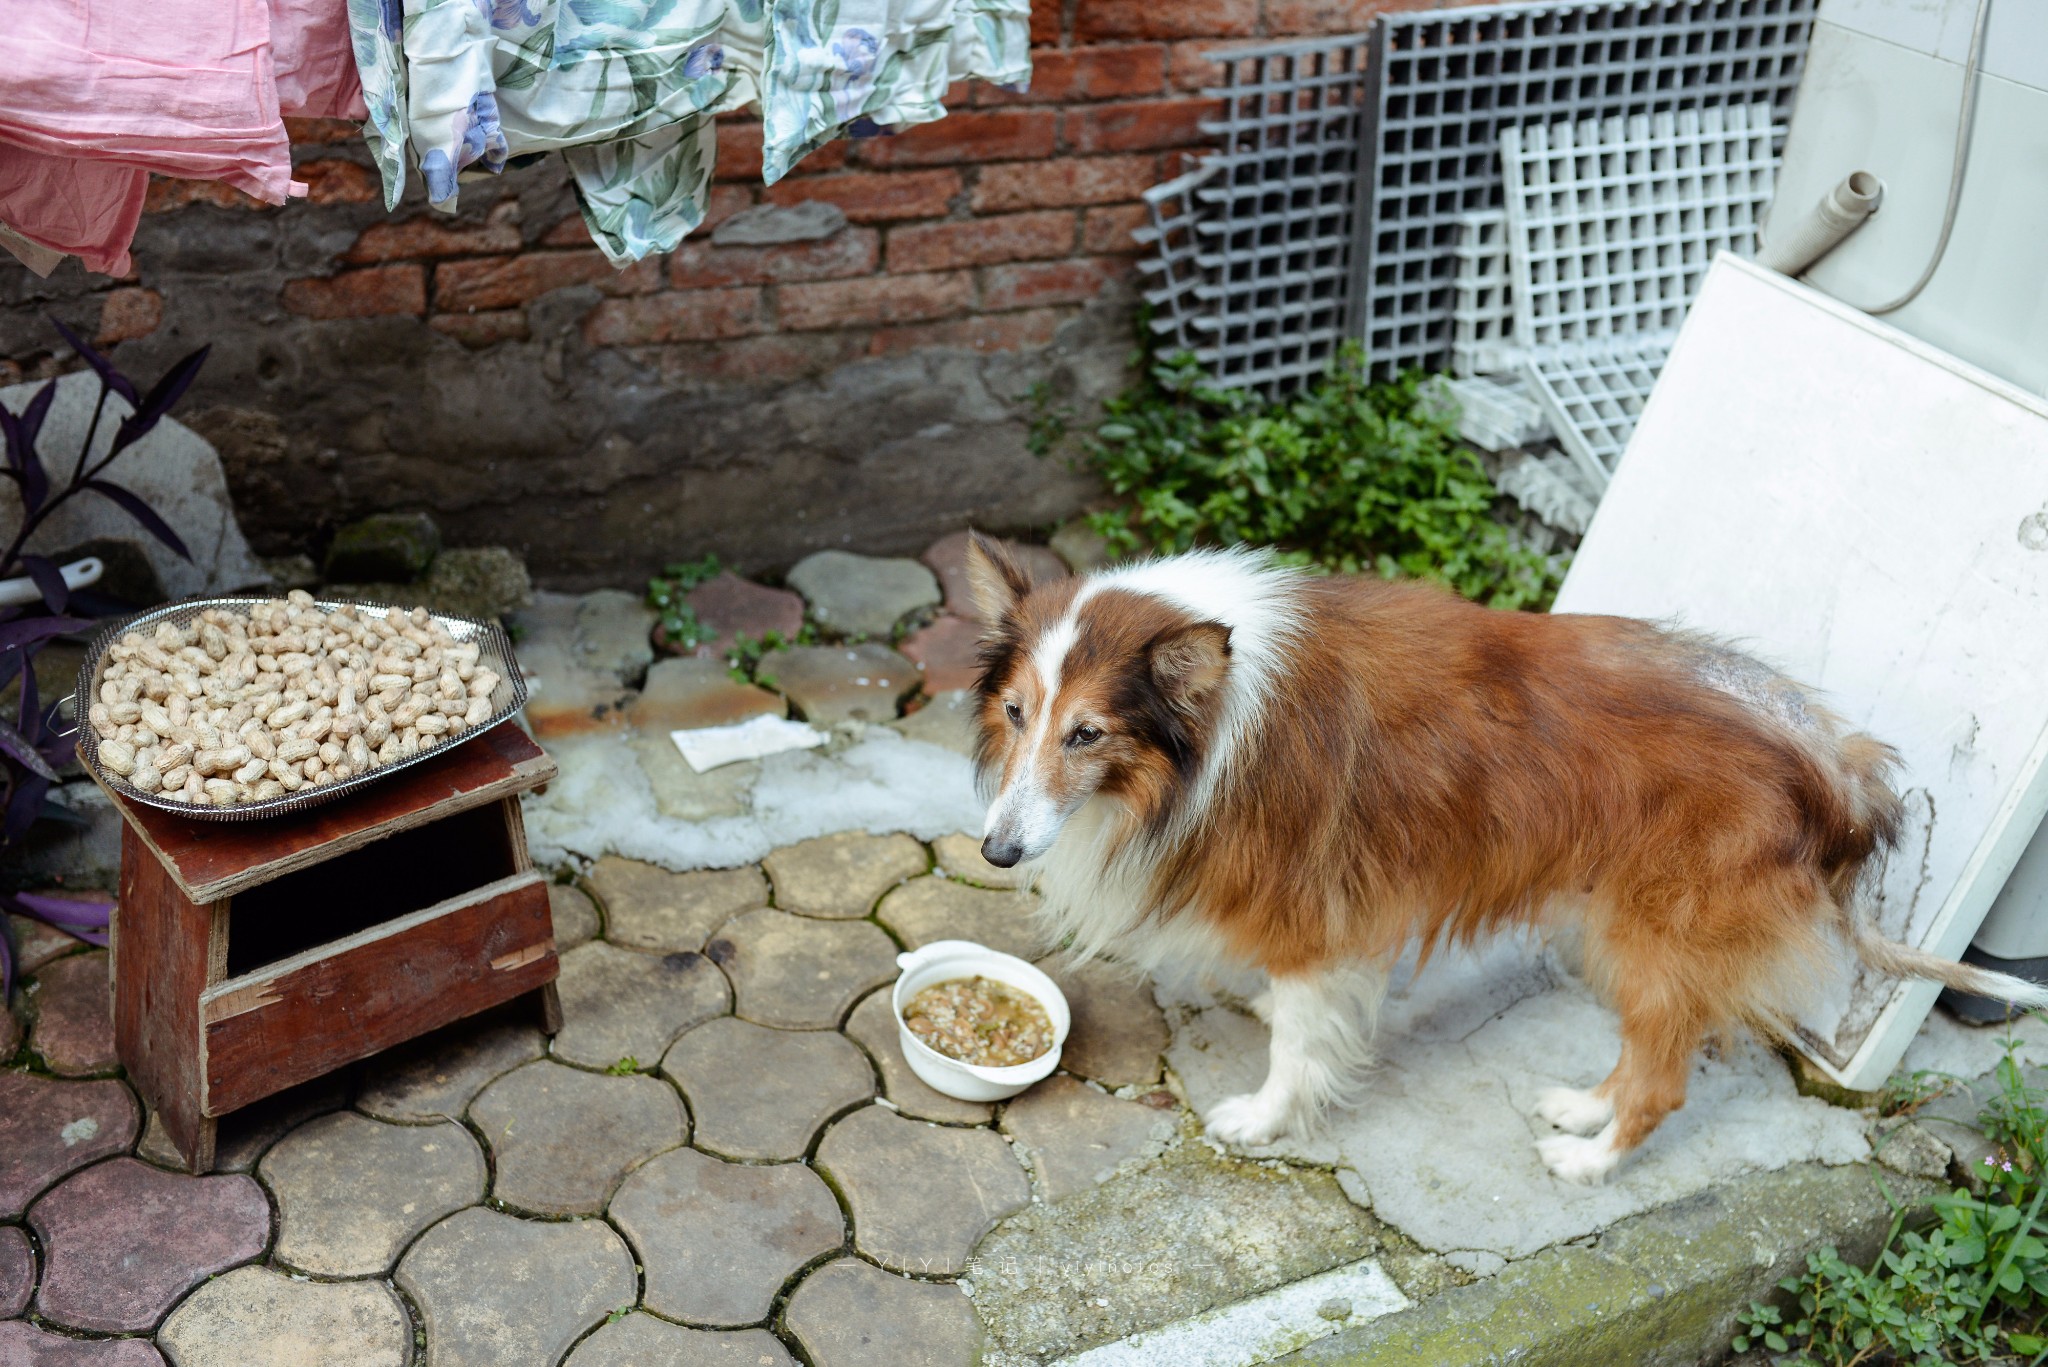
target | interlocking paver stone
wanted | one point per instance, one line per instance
(928, 909)
(256, 1317)
(684, 694)
(834, 684)
(947, 558)
(244, 1136)
(947, 653)
(438, 1075)
(574, 915)
(648, 907)
(718, 1239)
(640, 1340)
(122, 1241)
(1119, 1032)
(862, 593)
(74, 1021)
(495, 1290)
(960, 857)
(922, 1195)
(873, 1024)
(1076, 1135)
(50, 1128)
(842, 875)
(761, 1093)
(352, 1192)
(734, 606)
(563, 1137)
(799, 973)
(620, 1003)
(849, 1314)
(24, 1345)
(17, 1271)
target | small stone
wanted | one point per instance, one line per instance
(798, 973)
(1119, 1033)
(641, 1340)
(719, 1239)
(74, 1018)
(771, 225)
(833, 684)
(618, 1004)
(947, 653)
(17, 1271)
(960, 857)
(650, 908)
(734, 607)
(387, 548)
(873, 1024)
(842, 875)
(495, 1291)
(353, 1192)
(481, 582)
(856, 594)
(1080, 546)
(849, 1314)
(38, 942)
(49, 1129)
(685, 694)
(256, 1317)
(288, 572)
(1076, 1136)
(123, 1241)
(948, 560)
(24, 1345)
(574, 915)
(922, 1195)
(928, 909)
(1337, 1309)
(946, 721)
(762, 1094)
(436, 1076)
(563, 1137)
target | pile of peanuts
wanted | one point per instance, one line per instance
(245, 709)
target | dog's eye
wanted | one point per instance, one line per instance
(1085, 735)
(1014, 713)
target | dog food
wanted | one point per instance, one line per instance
(980, 1021)
(236, 709)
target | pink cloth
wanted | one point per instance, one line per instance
(85, 208)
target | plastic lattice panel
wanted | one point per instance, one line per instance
(1482, 303)
(1611, 223)
(1495, 411)
(1446, 83)
(1172, 215)
(1593, 392)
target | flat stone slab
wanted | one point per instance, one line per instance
(842, 875)
(613, 634)
(24, 1345)
(619, 1004)
(11, 1033)
(946, 721)
(739, 607)
(680, 792)
(574, 915)
(947, 653)
(494, 1290)
(856, 594)
(947, 558)
(922, 1195)
(928, 909)
(74, 1019)
(1119, 1033)
(563, 1137)
(685, 694)
(763, 1094)
(641, 1340)
(1074, 1136)
(648, 907)
(353, 1192)
(438, 1075)
(17, 1271)
(257, 1317)
(959, 856)
(798, 973)
(122, 1241)
(873, 1025)
(49, 1129)
(850, 1314)
(579, 682)
(833, 684)
(38, 942)
(717, 1240)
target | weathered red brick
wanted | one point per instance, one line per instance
(478, 330)
(723, 202)
(1034, 284)
(776, 358)
(981, 241)
(1134, 127)
(1089, 73)
(369, 293)
(498, 282)
(166, 193)
(739, 153)
(1107, 231)
(698, 264)
(875, 300)
(970, 135)
(1193, 65)
(976, 332)
(321, 132)
(1064, 180)
(875, 196)
(431, 235)
(677, 316)
(1285, 18)
(333, 181)
(1095, 20)
(1045, 23)
(126, 314)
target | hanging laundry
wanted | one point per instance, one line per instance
(628, 89)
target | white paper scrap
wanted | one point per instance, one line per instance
(710, 746)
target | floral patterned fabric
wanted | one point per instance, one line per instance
(627, 89)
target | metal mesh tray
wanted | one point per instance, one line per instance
(506, 700)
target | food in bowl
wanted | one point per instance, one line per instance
(980, 1021)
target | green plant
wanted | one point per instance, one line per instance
(1348, 475)
(624, 1067)
(743, 658)
(668, 594)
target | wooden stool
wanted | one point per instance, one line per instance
(252, 956)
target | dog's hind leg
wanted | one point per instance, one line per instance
(1322, 1041)
(1657, 1045)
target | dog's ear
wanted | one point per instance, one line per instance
(1188, 663)
(994, 577)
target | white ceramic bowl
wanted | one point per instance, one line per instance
(944, 960)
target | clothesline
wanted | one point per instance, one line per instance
(103, 93)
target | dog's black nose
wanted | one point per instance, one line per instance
(1001, 853)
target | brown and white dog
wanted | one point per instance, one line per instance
(1209, 758)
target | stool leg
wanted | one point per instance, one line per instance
(550, 1009)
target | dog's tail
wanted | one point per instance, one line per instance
(1904, 961)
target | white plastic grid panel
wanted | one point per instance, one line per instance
(1482, 304)
(1170, 232)
(1611, 223)
(1496, 412)
(1446, 83)
(1593, 392)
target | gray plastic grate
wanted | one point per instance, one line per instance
(1445, 84)
(1495, 412)
(1593, 392)
(1482, 300)
(1172, 214)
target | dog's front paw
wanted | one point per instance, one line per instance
(1573, 1111)
(1571, 1158)
(1246, 1120)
